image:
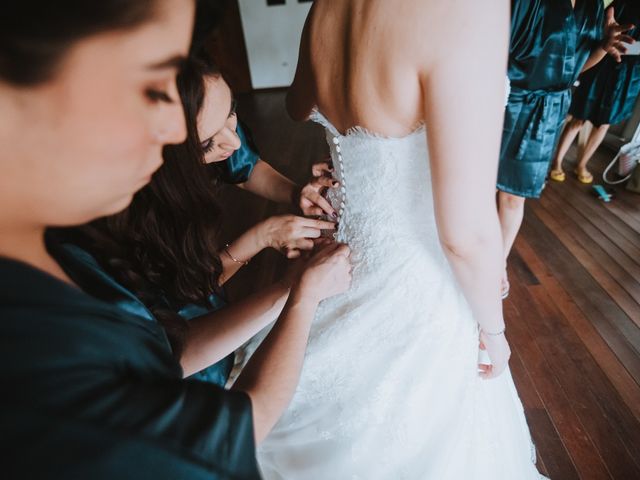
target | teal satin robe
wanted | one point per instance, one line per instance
(608, 92)
(92, 392)
(550, 43)
(95, 279)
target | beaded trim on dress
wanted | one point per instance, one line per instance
(356, 130)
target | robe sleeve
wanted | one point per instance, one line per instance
(238, 167)
(107, 381)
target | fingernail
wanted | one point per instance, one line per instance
(334, 215)
(335, 183)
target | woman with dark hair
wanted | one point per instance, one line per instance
(87, 91)
(163, 253)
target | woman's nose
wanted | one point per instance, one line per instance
(230, 140)
(174, 128)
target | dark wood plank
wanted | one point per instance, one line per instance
(584, 290)
(602, 410)
(595, 211)
(601, 241)
(549, 446)
(549, 377)
(607, 361)
(619, 307)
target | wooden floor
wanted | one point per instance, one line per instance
(573, 316)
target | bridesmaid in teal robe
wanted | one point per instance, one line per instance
(608, 92)
(104, 384)
(550, 44)
(606, 96)
(551, 41)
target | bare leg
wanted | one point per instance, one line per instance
(594, 141)
(510, 212)
(569, 134)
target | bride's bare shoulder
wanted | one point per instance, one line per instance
(438, 29)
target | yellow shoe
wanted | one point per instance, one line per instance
(585, 178)
(557, 175)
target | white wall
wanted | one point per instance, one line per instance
(272, 35)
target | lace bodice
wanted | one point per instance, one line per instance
(385, 200)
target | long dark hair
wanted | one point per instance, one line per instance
(164, 246)
(35, 35)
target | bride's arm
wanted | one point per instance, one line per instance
(301, 94)
(463, 87)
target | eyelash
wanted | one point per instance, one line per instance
(158, 96)
(208, 146)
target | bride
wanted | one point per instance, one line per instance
(411, 95)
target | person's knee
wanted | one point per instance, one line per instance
(510, 201)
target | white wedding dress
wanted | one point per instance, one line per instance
(389, 387)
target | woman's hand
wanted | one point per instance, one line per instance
(614, 36)
(311, 198)
(291, 234)
(499, 352)
(326, 273)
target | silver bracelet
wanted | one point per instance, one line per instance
(226, 250)
(496, 334)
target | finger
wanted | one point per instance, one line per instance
(320, 242)
(486, 372)
(496, 371)
(610, 16)
(320, 169)
(483, 367)
(310, 233)
(322, 202)
(303, 244)
(320, 182)
(482, 347)
(626, 39)
(620, 47)
(328, 249)
(623, 28)
(343, 250)
(318, 224)
(615, 54)
(313, 211)
(293, 253)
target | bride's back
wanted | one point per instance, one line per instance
(365, 59)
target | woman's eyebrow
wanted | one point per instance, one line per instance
(175, 62)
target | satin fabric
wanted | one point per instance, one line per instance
(239, 166)
(608, 92)
(95, 279)
(550, 43)
(91, 391)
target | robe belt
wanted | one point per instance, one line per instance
(543, 100)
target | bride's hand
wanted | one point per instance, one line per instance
(311, 198)
(499, 352)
